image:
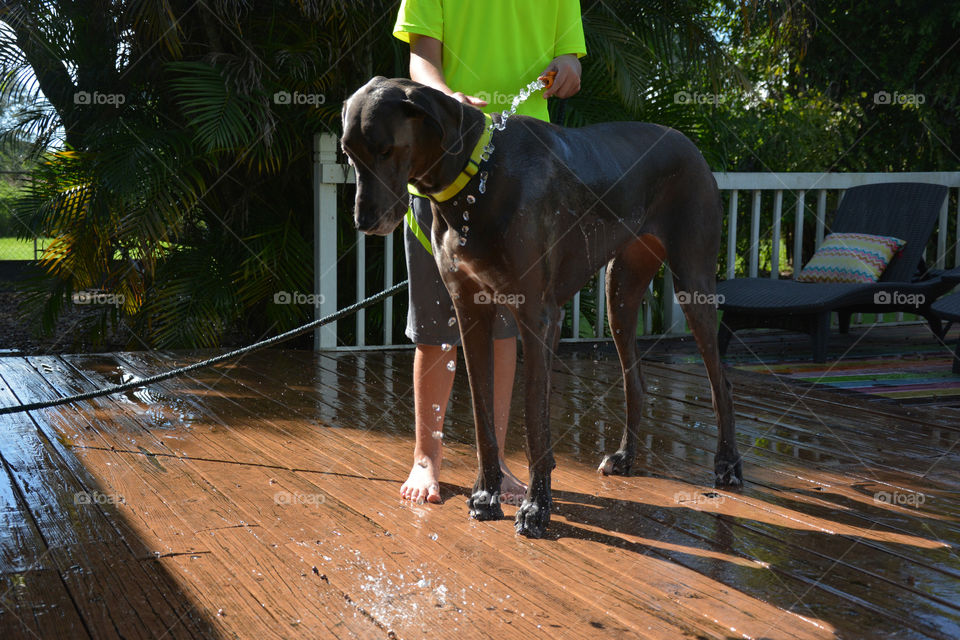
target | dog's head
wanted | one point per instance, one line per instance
(394, 132)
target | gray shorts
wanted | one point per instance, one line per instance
(430, 308)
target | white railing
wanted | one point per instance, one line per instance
(813, 196)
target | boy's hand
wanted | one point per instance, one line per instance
(473, 101)
(567, 82)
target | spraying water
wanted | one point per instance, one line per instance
(518, 99)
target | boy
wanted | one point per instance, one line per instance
(467, 48)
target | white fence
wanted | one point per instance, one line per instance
(813, 196)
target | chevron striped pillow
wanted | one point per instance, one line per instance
(851, 257)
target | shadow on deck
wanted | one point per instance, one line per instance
(260, 500)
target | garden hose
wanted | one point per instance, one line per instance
(142, 382)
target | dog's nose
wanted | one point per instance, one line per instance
(366, 222)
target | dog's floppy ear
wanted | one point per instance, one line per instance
(440, 111)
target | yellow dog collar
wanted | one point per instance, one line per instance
(468, 172)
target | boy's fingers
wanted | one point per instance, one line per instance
(564, 86)
(473, 101)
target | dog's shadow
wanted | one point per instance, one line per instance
(760, 555)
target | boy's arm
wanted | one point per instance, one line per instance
(426, 67)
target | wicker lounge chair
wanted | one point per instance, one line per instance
(948, 308)
(904, 210)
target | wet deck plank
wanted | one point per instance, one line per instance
(112, 592)
(261, 499)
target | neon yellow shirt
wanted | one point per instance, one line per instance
(494, 48)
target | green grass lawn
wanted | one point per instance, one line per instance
(15, 249)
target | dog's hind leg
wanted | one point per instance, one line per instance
(539, 326)
(628, 275)
(695, 284)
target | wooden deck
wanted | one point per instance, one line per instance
(260, 500)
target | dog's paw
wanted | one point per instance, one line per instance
(616, 464)
(728, 472)
(485, 505)
(532, 519)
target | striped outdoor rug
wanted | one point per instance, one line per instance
(917, 378)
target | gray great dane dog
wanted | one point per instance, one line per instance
(559, 204)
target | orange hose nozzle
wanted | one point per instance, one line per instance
(548, 78)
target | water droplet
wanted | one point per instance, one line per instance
(465, 229)
(434, 536)
(463, 241)
(446, 346)
(466, 215)
(436, 407)
(483, 175)
(451, 366)
(455, 202)
(437, 435)
(452, 321)
(471, 199)
(482, 187)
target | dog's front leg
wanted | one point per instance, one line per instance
(476, 317)
(538, 332)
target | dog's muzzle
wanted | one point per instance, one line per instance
(378, 220)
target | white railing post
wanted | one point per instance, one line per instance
(601, 301)
(956, 241)
(798, 233)
(324, 239)
(732, 235)
(575, 316)
(755, 233)
(821, 216)
(674, 322)
(361, 317)
(942, 233)
(775, 247)
(387, 283)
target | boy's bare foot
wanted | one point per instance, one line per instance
(511, 489)
(422, 484)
